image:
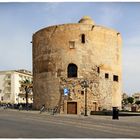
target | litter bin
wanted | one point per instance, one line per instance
(115, 113)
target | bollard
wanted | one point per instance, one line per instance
(115, 113)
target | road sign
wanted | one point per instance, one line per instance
(66, 91)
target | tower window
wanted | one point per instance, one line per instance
(72, 70)
(83, 38)
(98, 69)
(72, 44)
(115, 78)
(106, 75)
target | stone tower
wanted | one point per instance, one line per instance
(66, 55)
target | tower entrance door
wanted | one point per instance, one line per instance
(94, 106)
(72, 108)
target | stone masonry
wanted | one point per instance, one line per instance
(96, 53)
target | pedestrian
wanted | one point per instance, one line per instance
(20, 107)
(5, 106)
(42, 109)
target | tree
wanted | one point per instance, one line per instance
(125, 101)
(27, 86)
(130, 100)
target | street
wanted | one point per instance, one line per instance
(31, 124)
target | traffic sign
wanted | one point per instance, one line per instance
(66, 91)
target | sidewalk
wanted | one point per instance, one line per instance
(37, 112)
(126, 116)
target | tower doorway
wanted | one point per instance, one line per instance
(71, 107)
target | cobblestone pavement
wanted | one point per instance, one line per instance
(31, 124)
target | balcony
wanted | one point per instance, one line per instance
(8, 92)
(7, 78)
(8, 85)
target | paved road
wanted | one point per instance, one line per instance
(31, 124)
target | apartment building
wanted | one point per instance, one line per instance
(136, 96)
(10, 86)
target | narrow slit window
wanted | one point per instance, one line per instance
(98, 69)
(115, 78)
(83, 38)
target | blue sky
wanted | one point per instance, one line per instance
(18, 21)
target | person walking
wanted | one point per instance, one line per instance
(20, 107)
(42, 109)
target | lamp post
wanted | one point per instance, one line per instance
(0, 95)
(86, 101)
(85, 85)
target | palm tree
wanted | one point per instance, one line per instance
(27, 86)
(131, 101)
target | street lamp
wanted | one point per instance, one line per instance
(85, 85)
(0, 95)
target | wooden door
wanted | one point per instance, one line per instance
(72, 108)
(94, 106)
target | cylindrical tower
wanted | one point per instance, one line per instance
(64, 55)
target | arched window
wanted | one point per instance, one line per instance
(72, 70)
(83, 38)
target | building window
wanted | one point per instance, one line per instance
(72, 44)
(106, 75)
(72, 70)
(2, 98)
(115, 78)
(9, 84)
(9, 76)
(83, 38)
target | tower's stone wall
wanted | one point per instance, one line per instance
(55, 47)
